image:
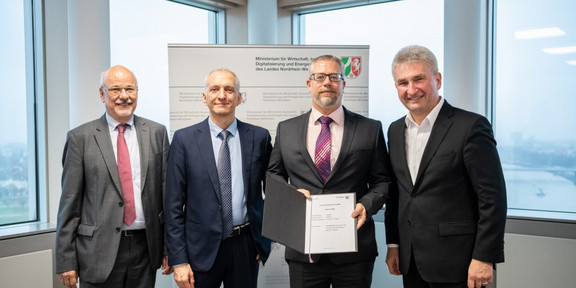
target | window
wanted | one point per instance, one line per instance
(17, 121)
(534, 98)
(386, 28)
(140, 42)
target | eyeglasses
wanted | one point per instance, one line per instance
(117, 90)
(334, 77)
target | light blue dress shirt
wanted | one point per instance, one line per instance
(239, 211)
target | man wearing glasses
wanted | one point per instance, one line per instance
(333, 150)
(110, 229)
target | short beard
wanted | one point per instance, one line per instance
(326, 102)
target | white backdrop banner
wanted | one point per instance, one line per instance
(272, 80)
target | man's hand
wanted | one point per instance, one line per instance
(69, 278)
(480, 274)
(184, 276)
(393, 261)
(166, 269)
(305, 192)
(360, 214)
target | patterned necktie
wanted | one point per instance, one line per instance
(323, 146)
(225, 177)
(125, 172)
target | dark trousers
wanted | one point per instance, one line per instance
(132, 266)
(235, 265)
(324, 273)
(414, 280)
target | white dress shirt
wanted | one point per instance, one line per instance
(417, 137)
(134, 151)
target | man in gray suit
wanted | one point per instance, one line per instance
(110, 229)
(352, 157)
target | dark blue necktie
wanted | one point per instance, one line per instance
(225, 177)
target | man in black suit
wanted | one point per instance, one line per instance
(445, 224)
(356, 161)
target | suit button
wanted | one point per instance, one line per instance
(118, 229)
(409, 223)
(121, 204)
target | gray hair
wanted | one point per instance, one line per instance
(325, 57)
(236, 80)
(414, 53)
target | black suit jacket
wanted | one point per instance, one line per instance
(456, 209)
(362, 167)
(193, 234)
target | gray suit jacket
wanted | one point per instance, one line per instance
(91, 209)
(362, 167)
(456, 209)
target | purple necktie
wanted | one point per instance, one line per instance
(125, 172)
(225, 177)
(323, 146)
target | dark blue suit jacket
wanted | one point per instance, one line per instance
(193, 208)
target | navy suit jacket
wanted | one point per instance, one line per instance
(193, 206)
(456, 209)
(362, 167)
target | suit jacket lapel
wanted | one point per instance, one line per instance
(350, 122)
(398, 132)
(246, 144)
(301, 143)
(203, 137)
(102, 138)
(143, 136)
(437, 135)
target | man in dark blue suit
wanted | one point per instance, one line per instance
(204, 248)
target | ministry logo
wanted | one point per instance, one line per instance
(352, 66)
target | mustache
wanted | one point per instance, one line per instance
(127, 101)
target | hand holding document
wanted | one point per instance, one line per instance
(321, 225)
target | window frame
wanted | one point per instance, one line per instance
(552, 225)
(217, 21)
(35, 147)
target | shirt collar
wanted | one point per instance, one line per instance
(215, 129)
(430, 118)
(112, 123)
(337, 116)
